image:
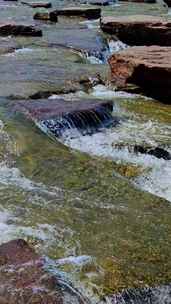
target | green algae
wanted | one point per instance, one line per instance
(98, 213)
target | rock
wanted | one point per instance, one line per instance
(59, 115)
(97, 2)
(157, 151)
(21, 270)
(38, 4)
(24, 278)
(42, 16)
(147, 67)
(138, 29)
(89, 13)
(19, 30)
(168, 2)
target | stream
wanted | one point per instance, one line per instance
(98, 210)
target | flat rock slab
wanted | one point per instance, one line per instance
(89, 13)
(23, 278)
(139, 29)
(84, 40)
(147, 67)
(47, 109)
(19, 30)
(38, 4)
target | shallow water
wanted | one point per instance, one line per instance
(79, 200)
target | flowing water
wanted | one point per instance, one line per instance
(98, 211)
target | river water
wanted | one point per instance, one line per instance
(98, 211)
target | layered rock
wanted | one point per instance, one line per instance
(139, 29)
(19, 30)
(89, 13)
(147, 67)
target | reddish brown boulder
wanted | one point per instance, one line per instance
(23, 278)
(147, 67)
(139, 29)
(89, 13)
(19, 30)
(38, 4)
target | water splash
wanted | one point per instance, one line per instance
(116, 143)
(156, 295)
(116, 46)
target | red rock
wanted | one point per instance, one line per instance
(89, 13)
(147, 67)
(139, 29)
(23, 278)
(19, 30)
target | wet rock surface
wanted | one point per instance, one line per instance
(42, 16)
(19, 30)
(139, 29)
(147, 67)
(22, 272)
(89, 13)
(157, 152)
(24, 278)
(102, 234)
(38, 4)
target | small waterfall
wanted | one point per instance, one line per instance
(87, 121)
(58, 115)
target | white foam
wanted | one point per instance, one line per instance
(13, 176)
(101, 91)
(116, 46)
(76, 260)
(126, 135)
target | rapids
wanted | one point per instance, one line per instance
(71, 183)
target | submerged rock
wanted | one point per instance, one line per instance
(89, 13)
(147, 67)
(19, 30)
(38, 4)
(139, 29)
